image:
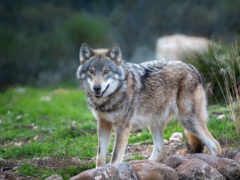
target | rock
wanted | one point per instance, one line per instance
(18, 144)
(230, 153)
(165, 141)
(3, 162)
(150, 170)
(45, 98)
(175, 160)
(177, 136)
(221, 116)
(191, 166)
(233, 154)
(134, 170)
(76, 160)
(227, 167)
(193, 169)
(237, 157)
(20, 90)
(54, 177)
(121, 171)
(8, 176)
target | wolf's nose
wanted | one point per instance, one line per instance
(97, 88)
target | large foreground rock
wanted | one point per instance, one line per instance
(237, 157)
(196, 169)
(150, 170)
(191, 168)
(233, 154)
(188, 167)
(122, 171)
(134, 170)
(227, 167)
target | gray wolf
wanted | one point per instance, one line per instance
(124, 95)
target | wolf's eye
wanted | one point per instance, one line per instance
(91, 71)
(106, 71)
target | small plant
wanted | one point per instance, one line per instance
(235, 114)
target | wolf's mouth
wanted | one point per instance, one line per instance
(100, 94)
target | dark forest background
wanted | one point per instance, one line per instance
(40, 39)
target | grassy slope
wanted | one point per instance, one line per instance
(57, 123)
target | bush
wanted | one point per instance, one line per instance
(220, 67)
(82, 28)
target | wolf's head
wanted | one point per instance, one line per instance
(100, 70)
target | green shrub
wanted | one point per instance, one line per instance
(82, 28)
(220, 67)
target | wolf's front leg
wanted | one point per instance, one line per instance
(104, 132)
(121, 141)
(157, 153)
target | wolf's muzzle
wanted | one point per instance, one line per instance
(97, 90)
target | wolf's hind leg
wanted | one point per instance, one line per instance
(157, 153)
(193, 143)
(193, 116)
(200, 132)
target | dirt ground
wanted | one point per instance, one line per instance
(8, 168)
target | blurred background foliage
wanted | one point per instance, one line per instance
(39, 40)
(220, 68)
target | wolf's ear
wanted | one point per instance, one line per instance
(85, 53)
(115, 54)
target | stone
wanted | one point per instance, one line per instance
(3, 162)
(237, 157)
(150, 170)
(54, 177)
(227, 167)
(165, 141)
(196, 169)
(221, 116)
(230, 153)
(177, 136)
(233, 154)
(175, 160)
(121, 171)
(134, 170)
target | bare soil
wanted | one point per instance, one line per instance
(8, 168)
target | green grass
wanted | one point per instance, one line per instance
(29, 170)
(57, 123)
(223, 129)
(61, 125)
(42, 173)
